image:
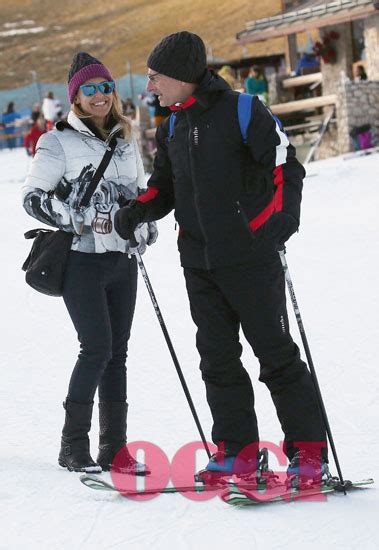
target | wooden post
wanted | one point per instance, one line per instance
(291, 52)
(371, 34)
(142, 124)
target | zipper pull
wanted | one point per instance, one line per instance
(196, 135)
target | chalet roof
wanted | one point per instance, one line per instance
(313, 14)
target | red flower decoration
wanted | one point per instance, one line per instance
(326, 48)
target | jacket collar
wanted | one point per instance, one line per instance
(208, 91)
(190, 101)
(210, 88)
(75, 123)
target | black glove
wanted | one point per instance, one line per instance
(280, 226)
(128, 217)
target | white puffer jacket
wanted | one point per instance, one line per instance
(65, 162)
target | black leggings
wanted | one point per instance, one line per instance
(100, 294)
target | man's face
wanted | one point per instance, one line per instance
(168, 90)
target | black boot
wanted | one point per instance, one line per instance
(112, 418)
(74, 454)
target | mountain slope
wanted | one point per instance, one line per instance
(42, 36)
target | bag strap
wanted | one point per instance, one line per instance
(32, 233)
(171, 124)
(245, 104)
(98, 174)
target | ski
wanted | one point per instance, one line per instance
(96, 482)
(361, 153)
(245, 497)
(236, 494)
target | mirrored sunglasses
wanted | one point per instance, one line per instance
(104, 87)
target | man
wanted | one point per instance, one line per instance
(234, 203)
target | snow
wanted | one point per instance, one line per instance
(333, 262)
(14, 25)
(15, 32)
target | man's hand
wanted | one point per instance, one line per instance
(128, 217)
(280, 226)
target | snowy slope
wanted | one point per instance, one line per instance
(334, 264)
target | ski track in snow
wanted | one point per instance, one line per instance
(333, 262)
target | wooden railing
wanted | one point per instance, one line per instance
(303, 104)
(303, 80)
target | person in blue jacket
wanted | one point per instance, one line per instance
(9, 118)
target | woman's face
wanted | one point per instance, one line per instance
(98, 105)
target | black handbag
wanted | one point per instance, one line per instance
(46, 264)
(47, 260)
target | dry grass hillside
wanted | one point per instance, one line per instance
(116, 31)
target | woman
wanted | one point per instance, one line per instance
(226, 72)
(101, 277)
(256, 84)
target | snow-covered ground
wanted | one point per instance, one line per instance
(334, 266)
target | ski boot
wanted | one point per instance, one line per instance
(262, 477)
(306, 470)
(121, 461)
(225, 464)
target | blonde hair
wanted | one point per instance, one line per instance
(115, 113)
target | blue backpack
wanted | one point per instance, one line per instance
(245, 105)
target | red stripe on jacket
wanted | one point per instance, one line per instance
(150, 194)
(276, 205)
(279, 182)
(190, 101)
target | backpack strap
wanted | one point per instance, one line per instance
(171, 124)
(279, 122)
(245, 106)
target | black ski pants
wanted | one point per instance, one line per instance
(250, 296)
(100, 295)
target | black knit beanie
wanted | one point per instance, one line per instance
(181, 56)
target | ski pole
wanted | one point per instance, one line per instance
(282, 252)
(145, 276)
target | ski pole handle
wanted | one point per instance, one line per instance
(133, 241)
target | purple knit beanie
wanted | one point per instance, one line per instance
(84, 67)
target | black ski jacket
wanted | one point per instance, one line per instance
(222, 189)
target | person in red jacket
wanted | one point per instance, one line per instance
(32, 137)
